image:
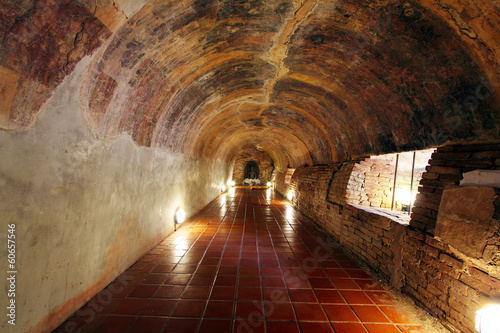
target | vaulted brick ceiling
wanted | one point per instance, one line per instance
(308, 82)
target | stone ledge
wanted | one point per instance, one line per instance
(396, 216)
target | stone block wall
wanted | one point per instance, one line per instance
(446, 169)
(372, 181)
(309, 184)
(320, 194)
(447, 283)
(450, 282)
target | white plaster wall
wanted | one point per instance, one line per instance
(78, 202)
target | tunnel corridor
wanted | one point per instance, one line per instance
(248, 262)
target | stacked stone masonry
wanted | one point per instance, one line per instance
(446, 169)
(451, 285)
(372, 181)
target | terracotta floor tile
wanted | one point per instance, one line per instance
(181, 325)
(119, 290)
(133, 277)
(343, 313)
(236, 267)
(170, 260)
(210, 261)
(188, 308)
(143, 291)
(356, 297)
(276, 295)
(249, 310)
(228, 270)
(249, 281)
(347, 263)
(154, 278)
(184, 269)
(215, 325)
(381, 297)
(250, 326)
(288, 262)
(329, 296)
(115, 324)
(87, 324)
(223, 293)
(169, 292)
(324, 283)
(250, 255)
(315, 327)
(99, 305)
(131, 306)
(269, 262)
(271, 271)
(345, 284)
(148, 324)
(207, 269)
(252, 262)
(370, 314)
(229, 261)
(282, 326)
(336, 273)
(397, 316)
(249, 294)
(202, 280)
(309, 312)
(303, 296)
(159, 307)
(381, 328)
(195, 292)
(330, 264)
(226, 280)
(163, 269)
(219, 309)
(178, 279)
(368, 284)
(279, 311)
(357, 273)
(349, 328)
(273, 282)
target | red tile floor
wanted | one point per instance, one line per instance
(247, 263)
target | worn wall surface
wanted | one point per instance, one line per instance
(85, 210)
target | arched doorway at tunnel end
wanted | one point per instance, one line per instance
(251, 170)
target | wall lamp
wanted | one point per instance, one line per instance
(233, 183)
(290, 195)
(179, 217)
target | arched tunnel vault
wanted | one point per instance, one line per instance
(310, 82)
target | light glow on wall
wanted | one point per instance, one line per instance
(268, 184)
(223, 188)
(487, 319)
(290, 195)
(233, 183)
